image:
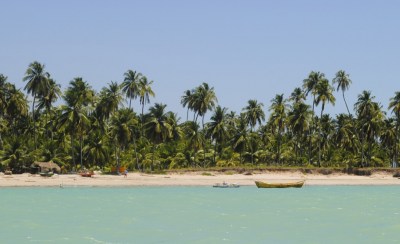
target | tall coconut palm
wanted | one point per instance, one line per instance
(195, 138)
(17, 104)
(204, 100)
(3, 93)
(144, 93)
(110, 100)
(254, 113)
(370, 117)
(79, 97)
(157, 127)
(344, 133)
(323, 94)
(123, 124)
(130, 86)
(297, 96)
(299, 119)
(50, 96)
(240, 135)
(3, 101)
(388, 139)
(343, 81)
(37, 83)
(394, 105)
(216, 128)
(309, 86)
(187, 100)
(277, 119)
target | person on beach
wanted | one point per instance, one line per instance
(126, 173)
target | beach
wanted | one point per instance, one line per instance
(201, 178)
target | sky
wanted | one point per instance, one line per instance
(244, 49)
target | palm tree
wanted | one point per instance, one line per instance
(278, 115)
(122, 127)
(50, 96)
(344, 133)
(240, 135)
(37, 84)
(343, 82)
(15, 154)
(130, 86)
(187, 100)
(157, 127)
(110, 100)
(394, 105)
(96, 149)
(144, 93)
(3, 93)
(195, 138)
(370, 118)
(216, 128)
(204, 100)
(388, 139)
(297, 96)
(3, 101)
(254, 113)
(323, 94)
(310, 86)
(74, 116)
(299, 122)
(17, 104)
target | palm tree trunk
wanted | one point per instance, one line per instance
(136, 155)
(278, 151)
(142, 120)
(34, 122)
(311, 132)
(204, 154)
(152, 157)
(72, 151)
(354, 126)
(81, 148)
(395, 146)
(319, 136)
(215, 152)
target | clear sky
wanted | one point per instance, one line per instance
(244, 49)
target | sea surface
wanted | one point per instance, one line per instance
(313, 214)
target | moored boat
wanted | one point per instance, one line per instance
(46, 174)
(226, 185)
(87, 174)
(297, 184)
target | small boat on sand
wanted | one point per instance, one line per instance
(226, 185)
(46, 174)
(297, 184)
(86, 174)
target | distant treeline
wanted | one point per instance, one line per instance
(93, 130)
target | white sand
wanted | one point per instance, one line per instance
(194, 179)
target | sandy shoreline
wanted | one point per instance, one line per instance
(193, 179)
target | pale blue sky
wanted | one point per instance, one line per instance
(244, 49)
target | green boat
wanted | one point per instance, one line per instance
(46, 174)
(297, 184)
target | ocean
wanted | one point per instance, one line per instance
(313, 214)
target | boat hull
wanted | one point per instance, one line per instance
(218, 185)
(298, 184)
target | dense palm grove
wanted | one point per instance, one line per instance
(94, 130)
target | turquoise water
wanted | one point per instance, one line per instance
(314, 214)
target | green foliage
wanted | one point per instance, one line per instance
(93, 130)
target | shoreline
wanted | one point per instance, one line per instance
(193, 179)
